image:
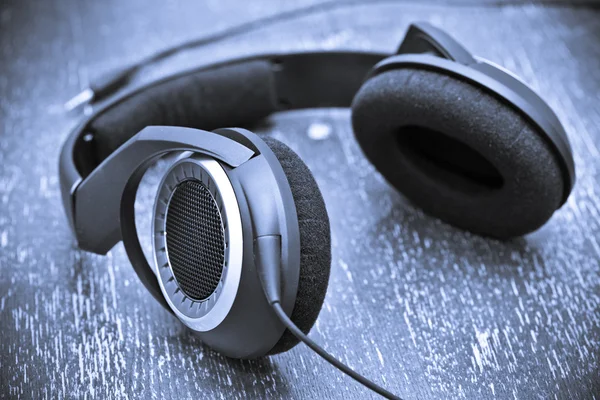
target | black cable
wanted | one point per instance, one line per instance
(329, 5)
(267, 257)
(328, 357)
(112, 81)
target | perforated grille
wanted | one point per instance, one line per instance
(195, 240)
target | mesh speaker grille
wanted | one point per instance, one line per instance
(195, 239)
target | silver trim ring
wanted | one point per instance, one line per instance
(200, 315)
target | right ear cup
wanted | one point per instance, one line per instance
(315, 242)
(459, 151)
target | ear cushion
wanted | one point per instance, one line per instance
(315, 243)
(460, 152)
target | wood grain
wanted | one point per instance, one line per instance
(425, 309)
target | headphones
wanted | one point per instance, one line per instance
(241, 238)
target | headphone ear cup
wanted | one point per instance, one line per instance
(460, 152)
(315, 242)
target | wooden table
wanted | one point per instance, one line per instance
(423, 308)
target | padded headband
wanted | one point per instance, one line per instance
(238, 92)
(233, 93)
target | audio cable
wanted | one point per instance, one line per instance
(267, 256)
(110, 82)
(328, 357)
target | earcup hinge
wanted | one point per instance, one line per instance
(424, 38)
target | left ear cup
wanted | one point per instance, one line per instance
(315, 242)
(460, 152)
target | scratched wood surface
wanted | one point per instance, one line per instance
(425, 309)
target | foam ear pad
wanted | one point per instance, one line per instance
(460, 152)
(315, 243)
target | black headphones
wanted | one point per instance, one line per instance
(241, 237)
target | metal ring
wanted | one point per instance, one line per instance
(200, 315)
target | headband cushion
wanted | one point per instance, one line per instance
(315, 243)
(460, 152)
(237, 94)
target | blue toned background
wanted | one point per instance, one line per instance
(427, 310)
